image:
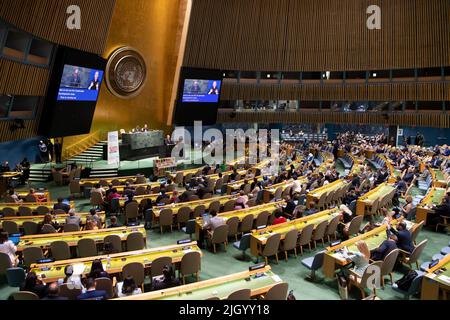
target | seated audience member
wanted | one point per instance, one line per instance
(61, 206)
(360, 258)
(31, 194)
(439, 211)
(128, 288)
(113, 194)
(90, 225)
(73, 280)
(214, 222)
(114, 223)
(53, 293)
(92, 293)
(174, 198)
(385, 248)
(279, 217)
(404, 241)
(290, 207)
(96, 218)
(162, 196)
(129, 191)
(48, 219)
(99, 189)
(168, 280)
(241, 201)
(14, 197)
(406, 209)
(34, 284)
(72, 218)
(97, 270)
(8, 247)
(311, 209)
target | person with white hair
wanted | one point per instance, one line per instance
(73, 218)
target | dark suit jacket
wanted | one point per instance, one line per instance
(404, 241)
(383, 250)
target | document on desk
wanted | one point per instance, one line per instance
(444, 278)
(276, 278)
(78, 269)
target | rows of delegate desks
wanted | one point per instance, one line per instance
(240, 214)
(367, 199)
(315, 195)
(93, 181)
(258, 281)
(191, 204)
(436, 281)
(259, 237)
(44, 240)
(60, 219)
(32, 205)
(55, 270)
(334, 259)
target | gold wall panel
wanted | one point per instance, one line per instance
(153, 28)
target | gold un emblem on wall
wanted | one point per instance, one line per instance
(126, 72)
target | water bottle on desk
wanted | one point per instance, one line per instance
(108, 262)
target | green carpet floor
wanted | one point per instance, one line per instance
(223, 263)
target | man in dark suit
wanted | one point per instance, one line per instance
(61, 206)
(91, 293)
(385, 248)
(404, 241)
(288, 210)
(442, 210)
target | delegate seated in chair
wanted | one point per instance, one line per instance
(404, 240)
(214, 222)
(360, 258)
(167, 280)
(385, 248)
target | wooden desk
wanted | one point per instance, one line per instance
(433, 198)
(270, 191)
(240, 214)
(120, 189)
(32, 205)
(220, 287)
(194, 171)
(235, 186)
(191, 204)
(367, 199)
(51, 272)
(315, 195)
(94, 181)
(437, 286)
(259, 238)
(72, 238)
(60, 218)
(333, 258)
(152, 197)
(43, 196)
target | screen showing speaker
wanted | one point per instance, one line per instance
(198, 96)
(201, 91)
(72, 95)
(79, 84)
